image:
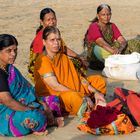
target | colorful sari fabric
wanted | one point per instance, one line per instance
(62, 67)
(53, 103)
(19, 123)
(121, 125)
(97, 53)
(37, 48)
(110, 35)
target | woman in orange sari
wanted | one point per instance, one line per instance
(47, 18)
(55, 74)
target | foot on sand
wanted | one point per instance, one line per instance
(60, 121)
(41, 133)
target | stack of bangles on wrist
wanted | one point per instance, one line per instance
(85, 82)
(95, 91)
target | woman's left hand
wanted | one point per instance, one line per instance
(99, 97)
(116, 51)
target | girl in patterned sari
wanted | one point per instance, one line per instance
(20, 112)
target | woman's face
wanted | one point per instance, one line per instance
(104, 16)
(52, 43)
(8, 55)
(49, 20)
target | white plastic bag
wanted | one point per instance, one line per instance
(123, 67)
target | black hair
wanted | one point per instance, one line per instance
(48, 30)
(7, 40)
(43, 12)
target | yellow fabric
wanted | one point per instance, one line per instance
(70, 101)
(67, 75)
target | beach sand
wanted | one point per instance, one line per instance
(21, 18)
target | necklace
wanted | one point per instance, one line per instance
(102, 28)
(45, 53)
(4, 69)
(50, 57)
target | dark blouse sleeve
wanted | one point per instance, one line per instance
(3, 81)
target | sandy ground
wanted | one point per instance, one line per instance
(22, 18)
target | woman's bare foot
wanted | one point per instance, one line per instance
(137, 128)
(41, 133)
(60, 121)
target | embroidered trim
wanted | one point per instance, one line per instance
(48, 75)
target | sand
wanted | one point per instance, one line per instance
(21, 18)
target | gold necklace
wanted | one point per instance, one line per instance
(4, 69)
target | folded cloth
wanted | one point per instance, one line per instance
(102, 116)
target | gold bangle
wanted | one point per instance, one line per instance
(95, 91)
(85, 82)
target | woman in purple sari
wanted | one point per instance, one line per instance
(20, 111)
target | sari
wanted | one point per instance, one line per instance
(121, 125)
(20, 123)
(96, 54)
(36, 48)
(62, 67)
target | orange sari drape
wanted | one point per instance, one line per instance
(36, 48)
(66, 74)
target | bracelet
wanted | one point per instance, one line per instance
(95, 91)
(85, 82)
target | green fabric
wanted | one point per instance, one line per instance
(133, 46)
(107, 34)
(79, 66)
(82, 109)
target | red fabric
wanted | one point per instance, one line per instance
(117, 103)
(130, 100)
(102, 116)
(37, 43)
(116, 32)
(94, 32)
